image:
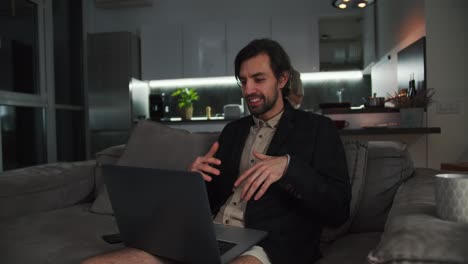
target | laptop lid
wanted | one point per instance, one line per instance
(167, 213)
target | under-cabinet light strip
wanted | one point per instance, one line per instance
(334, 75)
(230, 80)
(226, 80)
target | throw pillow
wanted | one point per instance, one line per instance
(389, 165)
(154, 145)
(356, 158)
(107, 156)
(414, 233)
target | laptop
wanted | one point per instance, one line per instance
(167, 213)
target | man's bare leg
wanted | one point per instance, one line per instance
(125, 256)
(136, 256)
(246, 260)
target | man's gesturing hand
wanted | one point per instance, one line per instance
(269, 170)
(203, 164)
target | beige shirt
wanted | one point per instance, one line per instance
(232, 212)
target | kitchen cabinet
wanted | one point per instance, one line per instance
(340, 43)
(299, 37)
(208, 49)
(204, 49)
(368, 37)
(240, 32)
(161, 52)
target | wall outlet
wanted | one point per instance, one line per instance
(448, 108)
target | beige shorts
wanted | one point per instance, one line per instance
(254, 251)
(259, 253)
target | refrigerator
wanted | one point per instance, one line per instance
(113, 61)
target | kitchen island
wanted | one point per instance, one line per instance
(415, 138)
(216, 124)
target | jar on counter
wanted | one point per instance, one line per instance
(208, 112)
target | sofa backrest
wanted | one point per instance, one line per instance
(45, 187)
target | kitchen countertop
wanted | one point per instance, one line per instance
(390, 131)
(198, 124)
(194, 119)
(326, 111)
(367, 110)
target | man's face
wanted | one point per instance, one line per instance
(260, 88)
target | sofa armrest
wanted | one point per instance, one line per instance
(45, 187)
(414, 233)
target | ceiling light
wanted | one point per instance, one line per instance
(347, 4)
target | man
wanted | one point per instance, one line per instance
(280, 170)
(300, 183)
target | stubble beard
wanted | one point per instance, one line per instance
(267, 105)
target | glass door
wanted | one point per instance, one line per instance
(25, 84)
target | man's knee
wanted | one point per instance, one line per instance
(107, 258)
(246, 260)
(92, 260)
(124, 256)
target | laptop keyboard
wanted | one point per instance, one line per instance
(224, 246)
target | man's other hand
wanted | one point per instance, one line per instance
(269, 170)
(203, 164)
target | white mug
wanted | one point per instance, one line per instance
(451, 193)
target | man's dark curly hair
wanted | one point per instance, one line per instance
(279, 59)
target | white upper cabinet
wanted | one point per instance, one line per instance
(368, 37)
(299, 37)
(208, 49)
(240, 33)
(161, 52)
(204, 49)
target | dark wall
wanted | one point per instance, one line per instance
(412, 61)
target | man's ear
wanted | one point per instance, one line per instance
(283, 79)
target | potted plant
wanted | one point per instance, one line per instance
(185, 98)
(412, 107)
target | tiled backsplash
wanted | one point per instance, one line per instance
(315, 92)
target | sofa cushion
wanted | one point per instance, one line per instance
(388, 165)
(413, 232)
(65, 236)
(356, 158)
(154, 145)
(350, 249)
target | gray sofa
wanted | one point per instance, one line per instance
(57, 213)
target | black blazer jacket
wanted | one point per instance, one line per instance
(315, 190)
